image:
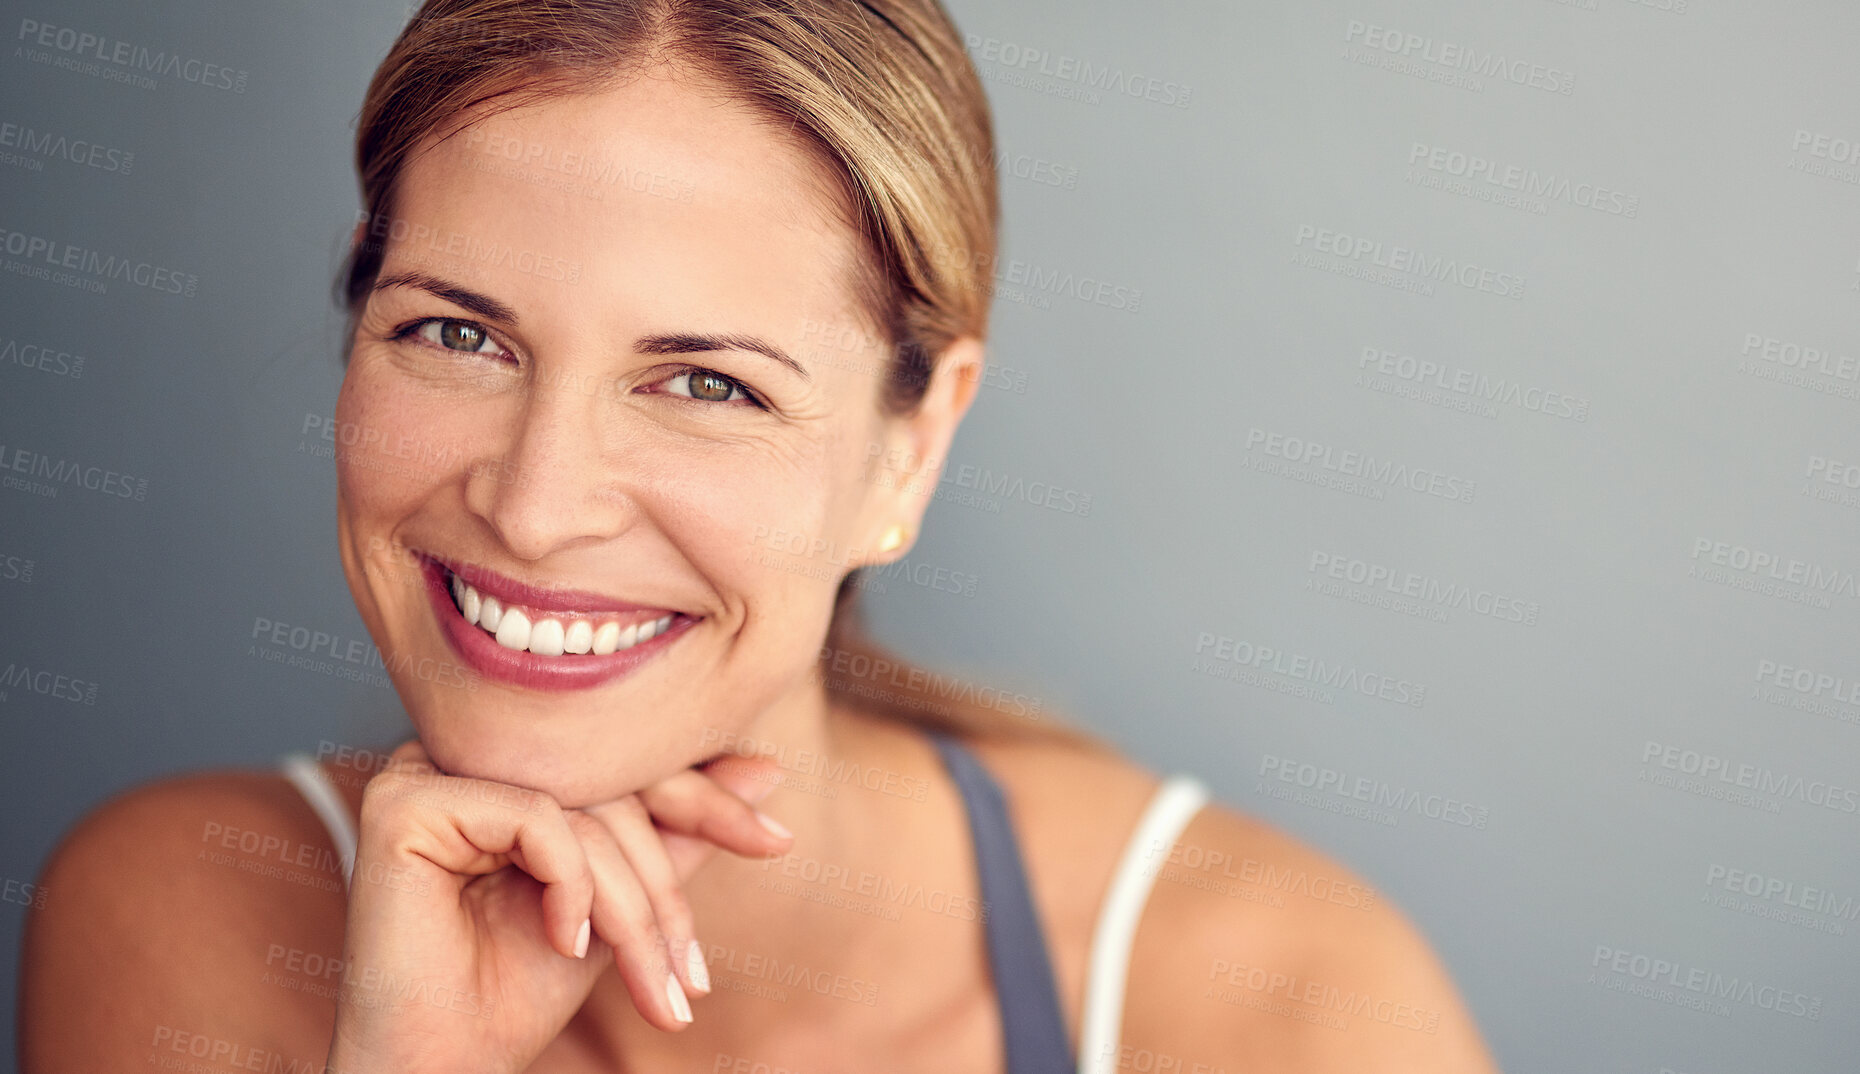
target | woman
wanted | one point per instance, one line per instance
(664, 315)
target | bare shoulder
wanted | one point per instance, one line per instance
(1074, 809)
(195, 912)
(1256, 949)
(1071, 802)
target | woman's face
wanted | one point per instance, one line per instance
(559, 392)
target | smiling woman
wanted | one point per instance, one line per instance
(650, 470)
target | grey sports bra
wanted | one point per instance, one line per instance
(1033, 1027)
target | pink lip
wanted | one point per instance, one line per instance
(551, 673)
(509, 591)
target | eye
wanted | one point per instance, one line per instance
(709, 386)
(455, 335)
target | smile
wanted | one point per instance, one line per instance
(546, 634)
(545, 637)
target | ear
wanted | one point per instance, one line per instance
(906, 461)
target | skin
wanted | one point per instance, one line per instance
(632, 490)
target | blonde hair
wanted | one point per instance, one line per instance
(880, 92)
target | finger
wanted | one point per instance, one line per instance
(412, 754)
(468, 827)
(644, 849)
(749, 778)
(694, 804)
(624, 918)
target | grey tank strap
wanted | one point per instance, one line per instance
(1031, 1021)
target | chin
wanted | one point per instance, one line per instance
(567, 771)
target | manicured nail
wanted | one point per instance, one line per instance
(694, 965)
(681, 1007)
(773, 825)
(581, 938)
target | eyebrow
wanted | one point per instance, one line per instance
(697, 343)
(483, 305)
(670, 343)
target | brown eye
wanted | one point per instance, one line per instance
(462, 336)
(707, 386)
(711, 387)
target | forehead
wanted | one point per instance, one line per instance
(656, 198)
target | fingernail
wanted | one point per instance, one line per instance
(581, 938)
(694, 965)
(773, 825)
(681, 1007)
(762, 789)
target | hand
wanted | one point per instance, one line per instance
(456, 961)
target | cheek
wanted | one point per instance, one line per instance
(393, 445)
(758, 520)
(394, 450)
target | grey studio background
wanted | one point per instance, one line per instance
(1466, 399)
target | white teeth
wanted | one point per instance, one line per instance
(514, 629)
(580, 637)
(606, 639)
(546, 638)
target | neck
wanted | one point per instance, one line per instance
(801, 732)
(748, 917)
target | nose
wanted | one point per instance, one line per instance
(554, 488)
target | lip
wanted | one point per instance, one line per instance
(524, 669)
(542, 598)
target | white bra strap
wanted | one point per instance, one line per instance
(323, 797)
(1175, 803)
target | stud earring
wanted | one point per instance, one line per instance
(894, 538)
